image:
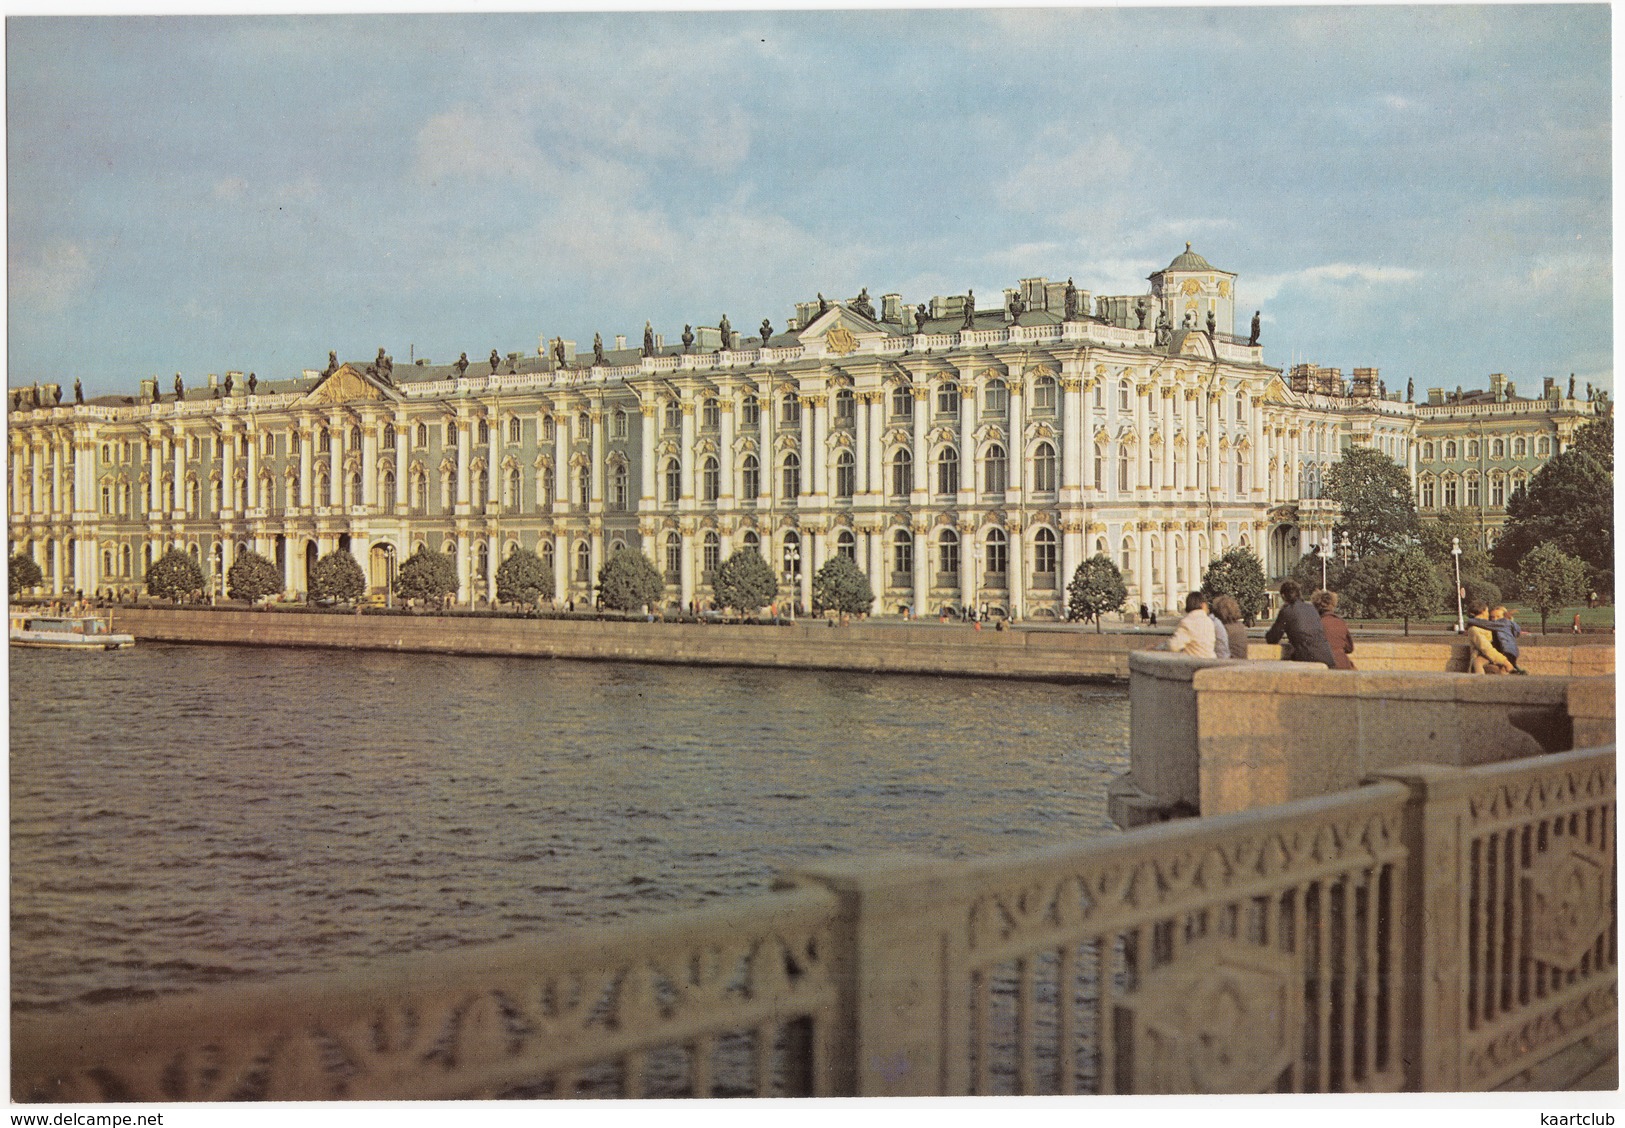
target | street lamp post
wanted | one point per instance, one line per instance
(1455, 552)
(1322, 567)
(792, 572)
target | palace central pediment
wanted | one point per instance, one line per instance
(347, 384)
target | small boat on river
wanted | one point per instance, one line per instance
(66, 632)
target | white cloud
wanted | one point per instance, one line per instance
(54, 278)
(1332, 277)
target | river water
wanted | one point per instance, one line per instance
(184, 815)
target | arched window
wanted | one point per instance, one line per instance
(388, 433)
(1498, 448)
(420, 493)
(1124, 482)
(792, 475)
(846, 474)
(790, 410)
(1123, 397)
(617, 488)
(484, 433)
(948, 471)
(355, 489)
(1498, 490)
(752, 542)
(1241, 472)
(996, 397)
(550, 429)
(711, 478)
(1044, 395)
(750, 473)
(948, 557)
(1520, 448)
(1100, 467)
(750, 410)
(1472, 491)
(1450, 450)
(617, 424)
(902, 401)
(513, 429)
(674, 481)
(451, 434)
(1241, 407)
(1046, 561)
(448, 495)
(583, 562)
(546, 487)
(902, 473)
(1543, 446)
(1472, 448)
(1449, 492)
(544, 549)
(516, 489)
(994, 467)
(948, 399)
(710, 413)
(846, 407)
(674, 415)
(847, 545)
(1044, 477)
(583, 485)
(997, 555)
(124, 559)
(902, 556)
(711, 553)
(674, 557)
(324, 442)
(386, 485)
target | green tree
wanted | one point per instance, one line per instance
(1395, 585)
(628, 581)
(1238, 573)
(1374, 491)
(252, 577)
(22, 573)
(1438, 535)
(426, 575)
(523, 578)
(1096, 589)
(1596, 438)
(745, 582)
(1569, 503)
(174, 575)
(841, 586)
(338, 578)
(1307, 571)
(1551, 578)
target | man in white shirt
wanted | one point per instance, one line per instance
(1195, 634)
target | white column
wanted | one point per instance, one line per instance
(1190, 437)
(178, 495)
(1213, 465)
(860, 452)
(1147, 589)
(967, 566)
(561, 470)
(1016, 472)
(967, 449)
(818, 412)
(1071, 557)
(403, 437)
(875, 456)
(306, 447)
(492, 560)
(1077, 467)
(920, 495)
(686, 572)
(1165, 473)
(369, 469)
(465, 440)
(1260, 459)
(1018, 578)
(686, 454)
(922, 568)
(561, 567)
(646, 468)
(340, 499)
(726, 458)
(1170, 573)
(1142, 428)
(462, 560)
(764, 456)
(809, 465)
(598, 439)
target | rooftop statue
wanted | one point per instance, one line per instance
(1212, 323)
(56, 394)
(1253, 340)
(688, 337)
(180, 387)
(495, 360)
(823, 306)
(597, 348)
(332, 363)
(253, 382)
(1139, 308)
(1410, 390)
(767, 332)
(727, 332)
(861, 304)
(648, 339)
(462, 364)
(79, 390)
(1571, 386)
(970, 309)
(919, 318)
(228, 384)
(1017, 307)
(1070, 308)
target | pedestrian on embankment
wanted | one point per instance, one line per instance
(1196, 632)
(1300, 624)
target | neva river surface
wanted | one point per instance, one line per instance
(193, 815)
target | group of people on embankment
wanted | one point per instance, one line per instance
(1315, 632)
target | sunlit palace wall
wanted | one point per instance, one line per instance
(962, 454)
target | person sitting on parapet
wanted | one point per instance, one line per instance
(1482, 656)
(1300, 623)
(1504, 632)
(1334, 628)
(1194, 636)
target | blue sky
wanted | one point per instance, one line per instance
(1424, 190)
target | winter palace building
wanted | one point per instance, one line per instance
(961, 455)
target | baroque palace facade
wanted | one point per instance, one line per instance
(963, 457)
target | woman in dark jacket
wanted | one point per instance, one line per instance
(1336, 630)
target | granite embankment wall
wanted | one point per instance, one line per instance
(810, 645)
(881, 647)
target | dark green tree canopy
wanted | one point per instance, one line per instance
(523, 578)
(1374, 491)
(1307, 571)
(629, 581)
(252, 577)
(22, 573)
(840, 586)
(1436, 535)
(1569, 503)
(1096, 589)
(1551, 578)
(337, 577)
(745, 582)
(426, 575)
(1395, 585)
(174, 575)
(1239, 573)
(1596, 438)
